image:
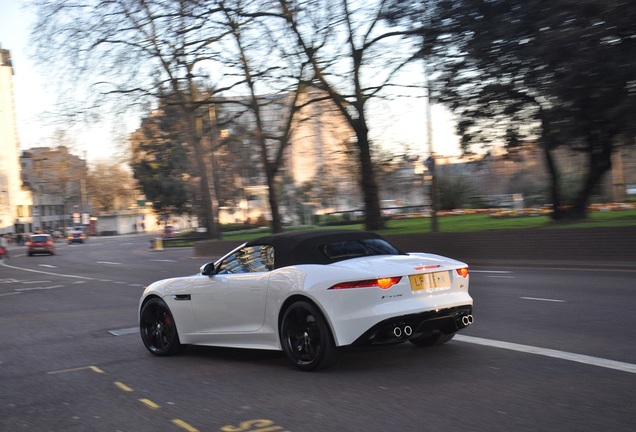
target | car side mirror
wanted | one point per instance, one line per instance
(207, 269)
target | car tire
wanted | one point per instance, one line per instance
(158, 329)
(428, 339)
(306, 338)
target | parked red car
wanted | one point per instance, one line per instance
(40, 244)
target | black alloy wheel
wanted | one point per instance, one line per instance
(306, 337)
(158, 329)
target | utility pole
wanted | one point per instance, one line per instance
(214, 169)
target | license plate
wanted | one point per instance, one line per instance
(427, 281)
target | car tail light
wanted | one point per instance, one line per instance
(463, 272)
(382, 283)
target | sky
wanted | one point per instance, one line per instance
(33, 97)
(401, 126)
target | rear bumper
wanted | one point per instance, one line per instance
(447, 321)
(39, 250)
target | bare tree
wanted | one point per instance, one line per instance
(111, 187)
(354, 58)
(115, 55)
(132, 52)
(275, 81)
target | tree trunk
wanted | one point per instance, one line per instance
(217, 234)
(554, 183)
(277, 224)
(600, 162)
(201, 166)
(547, 142)
(270, 173)
(372, 216)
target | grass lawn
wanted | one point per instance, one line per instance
(478, 222)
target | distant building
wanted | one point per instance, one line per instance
(315, 175)
(15, 203)
(57, 180)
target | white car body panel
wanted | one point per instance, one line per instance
(230, 303)
(243, 310)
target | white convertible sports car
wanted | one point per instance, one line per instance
(309, 294)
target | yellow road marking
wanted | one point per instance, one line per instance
(149, 403)
(184, 425)
(93, 368)
(123, 386)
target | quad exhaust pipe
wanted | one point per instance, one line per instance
(399, 331)
(467, 320)
(404, 331)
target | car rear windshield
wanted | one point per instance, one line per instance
(39, 239)
(358, 248)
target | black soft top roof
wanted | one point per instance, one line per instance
(304, 247)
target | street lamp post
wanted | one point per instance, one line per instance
(431, 160)
(38, 189)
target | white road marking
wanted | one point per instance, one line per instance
(47, 265)
(563, 355)
(83, 278)
(124, 331)
(47, 273)
(579, 358)
(491, 271)
(543, 299)
(499, 274)
(40, 288)
(108, 262)
(589, 360)
(163, 260)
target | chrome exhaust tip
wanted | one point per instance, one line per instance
(467, 320)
